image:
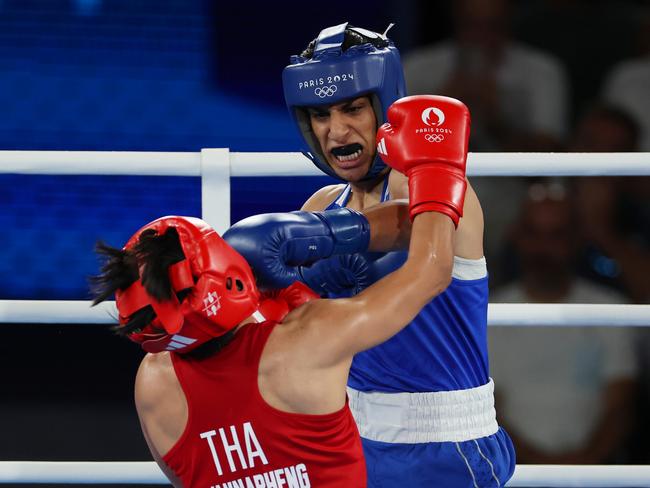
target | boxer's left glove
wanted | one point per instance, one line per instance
(276, 244)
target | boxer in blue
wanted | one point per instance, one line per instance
(423, 401)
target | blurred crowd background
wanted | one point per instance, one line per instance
(181, 75)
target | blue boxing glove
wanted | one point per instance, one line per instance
(337, 276)
(276, 244)
(346, 275)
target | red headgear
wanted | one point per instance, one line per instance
(222, 290)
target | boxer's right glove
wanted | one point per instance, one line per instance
(426, 138)
(276, 244)
(342, 275)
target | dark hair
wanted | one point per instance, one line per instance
(120, 270)
(157, 253)
(351, 38)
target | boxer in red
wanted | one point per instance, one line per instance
(241, 390)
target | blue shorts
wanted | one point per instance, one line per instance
(487, 462)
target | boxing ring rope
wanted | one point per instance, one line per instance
(147, 472)
(293, 163)
(216, 167)
(502, 314)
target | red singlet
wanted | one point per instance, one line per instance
(234, 439)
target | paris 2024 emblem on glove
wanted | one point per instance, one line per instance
(426, 138)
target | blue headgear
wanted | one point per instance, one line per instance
(332, 75)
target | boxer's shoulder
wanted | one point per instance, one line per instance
(160, 402)
(469, 236)
(323, 198)
(155, 375)
(398, 186)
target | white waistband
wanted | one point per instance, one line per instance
(414, 418)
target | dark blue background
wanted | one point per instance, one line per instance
(138, 75)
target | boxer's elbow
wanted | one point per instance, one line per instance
(432, 273)
(431, 253)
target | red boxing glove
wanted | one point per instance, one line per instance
(277, 304)
(273, 308)
(297, 294)
(426, 138)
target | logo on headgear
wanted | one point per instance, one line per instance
(434, 137)
(381, 147)
(427, 118)
(178, 341)
(325, 91)
(211, 304)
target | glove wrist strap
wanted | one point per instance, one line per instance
(437, 188)
(350, 230)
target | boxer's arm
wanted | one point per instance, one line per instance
(390, 225)
(161, 406)
(468, 242)
(330, 332)
(398, 186)
(469, 235)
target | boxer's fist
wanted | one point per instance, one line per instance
(297, 295)
(426, 138)
(337, 276)
(275, 244)
(276, 304)
(348, 274)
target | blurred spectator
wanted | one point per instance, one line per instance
(614, 212)
(516, 94)
(614, 215)
(641, 450)
(588, 36)
(628, 84)
(565, 394)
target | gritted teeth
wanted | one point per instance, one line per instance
(347, 152)
(347, 149)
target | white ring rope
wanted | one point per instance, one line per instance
(504, 314)
(101, 163)
(568, 314)
(295, 164)
(538, 475)
(147, 472)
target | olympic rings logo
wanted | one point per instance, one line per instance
(325, 91)
(434, 137)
